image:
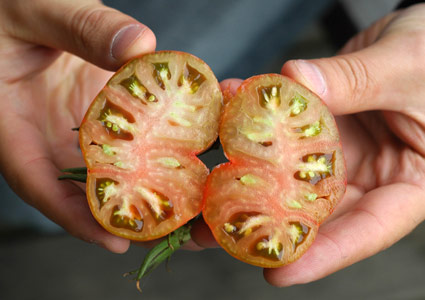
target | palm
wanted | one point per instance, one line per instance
(67, 89)
(382, 190)
(383, 148)
(376, 159)
(39, 109)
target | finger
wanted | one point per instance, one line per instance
(375, 77)
(98, 34)
(33, 176)
(64, 203)
(202, 236)
(231, 85)
(229, 88)
(351, 197)
(367, 37)
(382, 217)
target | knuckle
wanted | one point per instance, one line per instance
(416, 50)
(85, 23)
(358, 79)
(355, 43)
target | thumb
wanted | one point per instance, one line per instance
(88, 29)
(372, 78)
(347, 83)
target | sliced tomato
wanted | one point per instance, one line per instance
(140, 138)
(285, 176)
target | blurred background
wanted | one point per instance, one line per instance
(38, 260)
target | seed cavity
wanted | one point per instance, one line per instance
(252, 223)
(229, 228)
(105, 189)
(270, 248)
(127, 216)
(315, 167)
(309, 130)
(161, 73)
(297, 105)
(297, 233)
(243, 224)
(117, 122)
(311, 197)
(108, 150)
(191, 79)
(170, 162)
(137, 89)
(269, 97)
(160, 206)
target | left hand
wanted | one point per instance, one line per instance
(45, 92)
(376, 88)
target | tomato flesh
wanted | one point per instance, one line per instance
(140, 138)
(285, 176)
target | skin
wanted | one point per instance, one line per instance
(45, 92)
(375, 88)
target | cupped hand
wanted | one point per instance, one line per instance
(52, 59)
(376, 88)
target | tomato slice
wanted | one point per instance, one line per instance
(285, 176)
(140, 138)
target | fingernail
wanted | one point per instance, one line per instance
(313, 77)
(124, 39)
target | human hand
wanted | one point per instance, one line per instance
(376, 88)
(45, 92)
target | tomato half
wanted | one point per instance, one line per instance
(140, 138)
(285, 176)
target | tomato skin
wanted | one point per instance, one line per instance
(140, 137)
(285, 176)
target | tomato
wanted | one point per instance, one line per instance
(140, 138)
(285, 176)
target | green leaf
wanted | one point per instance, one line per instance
(162, 252)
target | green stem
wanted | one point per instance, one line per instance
(161, 252)
(77, 174)
(80, 170)
(75, 177)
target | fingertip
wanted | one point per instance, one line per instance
(131, 41)
(95, 234)
(281, 277)
(288, 69)
(230, 85)
(115, 244)
(271, 278)
(306, 73)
